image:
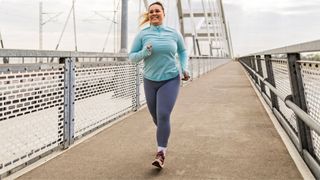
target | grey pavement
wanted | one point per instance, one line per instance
(220, 130)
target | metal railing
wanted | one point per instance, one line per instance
(291, 87)
(49, 99)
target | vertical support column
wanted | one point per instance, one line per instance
(270, 79)
(263, 90)
(180, 14)
(5, 59)
(124, 27)
(298, 98)
(40, 25)
(69, 92)
(194, 45)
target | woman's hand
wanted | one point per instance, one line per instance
(186, 76)
(148, 48)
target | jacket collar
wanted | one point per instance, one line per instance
(152, 27)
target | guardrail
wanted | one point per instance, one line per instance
(49, 99)
(291, 87)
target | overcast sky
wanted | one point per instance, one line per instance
(266, 24)
(255, 24)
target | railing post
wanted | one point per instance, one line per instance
(270, 79)
(254, 67)
(207, 65)
(5, 60)
(250, 65)
(263, 89)
(191, 68)
(69, 94)
(137, 95)
(203, 65)
(199, 68)
(298, 98)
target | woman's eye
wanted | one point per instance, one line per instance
(156, 11)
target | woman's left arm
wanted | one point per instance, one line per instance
(183, 56)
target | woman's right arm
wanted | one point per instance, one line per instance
(138, 51)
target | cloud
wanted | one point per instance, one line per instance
(255, 24)
(276, 6)
(260, 25)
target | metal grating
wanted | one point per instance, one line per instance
(31, 113)
(282, 81)
(103, 92)
(310, 73)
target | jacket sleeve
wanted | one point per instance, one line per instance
(138, 51)
(182, 52)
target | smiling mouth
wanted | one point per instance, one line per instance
(155, 17)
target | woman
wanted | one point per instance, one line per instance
(157, 45)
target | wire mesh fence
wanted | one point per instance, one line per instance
(281, 77)
(293, 83)
(31, 112)
(103, 92)
(46, 106)
(310, 72)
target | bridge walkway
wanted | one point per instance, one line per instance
(220, 130)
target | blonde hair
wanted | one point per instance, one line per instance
(145, 18)
(145, 15)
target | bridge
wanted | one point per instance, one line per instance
(82, 115)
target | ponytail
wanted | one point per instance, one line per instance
(145, 18)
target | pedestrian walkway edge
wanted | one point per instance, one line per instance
(299, 162)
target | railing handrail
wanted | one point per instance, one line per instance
(209, 57)
(52, 53)
(310, 46)
(300, 131)
(303, 115)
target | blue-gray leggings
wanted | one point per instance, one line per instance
(161, 97)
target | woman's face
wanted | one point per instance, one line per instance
(156, 15)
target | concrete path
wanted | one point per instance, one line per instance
(220, 130)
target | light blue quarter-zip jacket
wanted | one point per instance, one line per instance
(160, 63)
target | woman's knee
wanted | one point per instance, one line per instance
(163, 117)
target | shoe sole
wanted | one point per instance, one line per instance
(157, 164)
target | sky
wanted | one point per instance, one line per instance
(255, 25)
(258, 25)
